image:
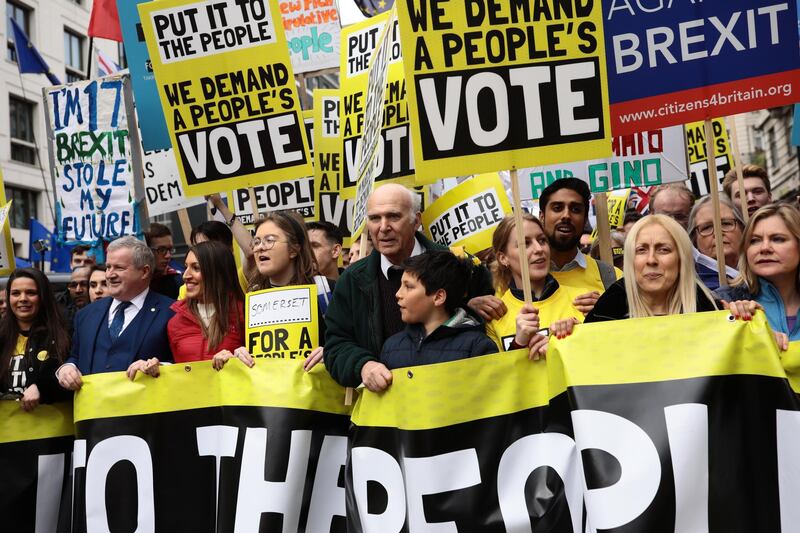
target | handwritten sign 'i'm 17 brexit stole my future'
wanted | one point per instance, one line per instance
(90, 135)
(228, 92)
(677, 62)
(282, 322)
(495, 85)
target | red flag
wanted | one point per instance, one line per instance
(104, 21)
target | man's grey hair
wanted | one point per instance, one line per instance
(706, 200)
(140, 252)
(416, 203)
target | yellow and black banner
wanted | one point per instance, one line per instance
(684, 423)
(240, 449)
(35, 450)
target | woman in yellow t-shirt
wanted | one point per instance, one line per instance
(551, 302)
(33, 340)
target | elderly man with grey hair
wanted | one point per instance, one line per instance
(127, 331)
(364, 312)
(701, 231)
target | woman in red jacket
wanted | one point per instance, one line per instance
(210, 321)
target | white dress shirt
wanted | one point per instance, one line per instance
(137, 302)
(386, 264)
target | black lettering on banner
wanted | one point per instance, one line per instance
(241, 148)
(337, 211)
(470, 112)
(394, 157)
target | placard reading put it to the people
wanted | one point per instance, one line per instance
(468, 214)
(282, 322)
(228, 92)
(497, 85)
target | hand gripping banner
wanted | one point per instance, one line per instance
(683, 423)
(240, 450)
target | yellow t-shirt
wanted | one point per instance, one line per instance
(555, 307)
(587, 280)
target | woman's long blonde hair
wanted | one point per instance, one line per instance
(790, 216)
(683, 297)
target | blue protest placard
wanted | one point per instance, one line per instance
(154, 130)
(673, 62)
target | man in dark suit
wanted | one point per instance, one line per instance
(127, 331)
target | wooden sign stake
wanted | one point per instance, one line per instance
(713, 187)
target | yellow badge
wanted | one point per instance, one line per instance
(42, 356)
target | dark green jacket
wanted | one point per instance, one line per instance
(354, 334)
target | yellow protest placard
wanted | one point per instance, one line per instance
(7, 260)
(295, 194)
(617, 202)
(282, 322)
(228, 91)
(395, 160)
(698, 154)
(468, 214)
(497, 85)
(330, 206)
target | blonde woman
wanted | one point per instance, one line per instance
(769, 271)
(659, 277)
(518, 327)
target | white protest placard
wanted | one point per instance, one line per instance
(90, 136)
(640, 160)
(312, 33)
(162, 184)
(273, 307)
(373, 120)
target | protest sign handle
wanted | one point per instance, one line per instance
(303, 91)
(89, 59)
(348, 396)
(253, 203)
(737, 163)
(186, 226)
(603, 228)
(713, 187)
(523, 251)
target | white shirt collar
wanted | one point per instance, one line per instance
(578, 261)
(137, 301)
(709, 262)
(386, 264)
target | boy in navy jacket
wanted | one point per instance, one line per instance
(438, 327)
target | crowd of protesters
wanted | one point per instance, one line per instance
(402, 300)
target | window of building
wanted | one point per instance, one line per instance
(73, 56)
(22, 16)
(23, 208)
(772, 149)
(23, 148)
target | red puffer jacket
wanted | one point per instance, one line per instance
(186, 336)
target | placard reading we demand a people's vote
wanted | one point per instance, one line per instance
(228, 92)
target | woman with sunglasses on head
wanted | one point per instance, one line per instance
(284, 258)
(33, 340)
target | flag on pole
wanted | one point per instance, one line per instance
(29, 60)
(105, 65)
(104, 20)
(374, 7)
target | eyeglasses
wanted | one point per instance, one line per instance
(163, 250)
(268, 243)
(728, 225)
(76, 284)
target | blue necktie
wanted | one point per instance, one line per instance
(119, 320)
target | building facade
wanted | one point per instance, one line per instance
(57, 28)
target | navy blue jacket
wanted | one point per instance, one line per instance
(464, 338)
(149, 330)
